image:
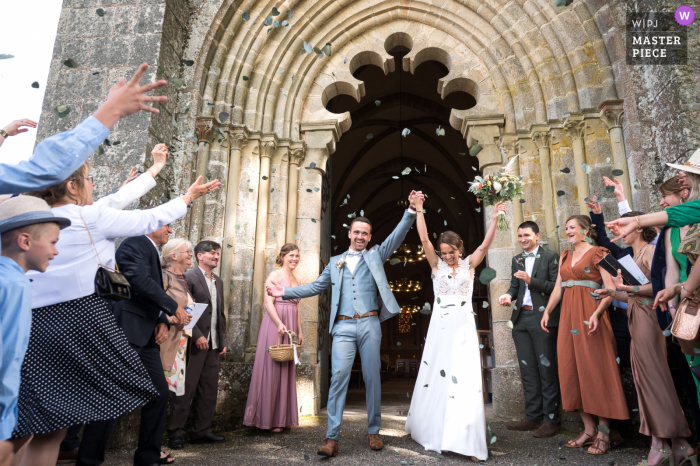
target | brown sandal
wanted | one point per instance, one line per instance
(597, 446)
(572, 443)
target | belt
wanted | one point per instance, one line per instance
(586, 283)
(526, 308)
(619, 310)
(357, 316)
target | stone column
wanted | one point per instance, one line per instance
(238, 137)
(576, 127)
(320, 141)
(268, 144)
(512, 146)
(612, 114)
(542, 137)
(296, 157)
(205, 130)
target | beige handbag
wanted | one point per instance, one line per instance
(686, 324)
(283, 353)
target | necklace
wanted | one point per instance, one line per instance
(640, 251)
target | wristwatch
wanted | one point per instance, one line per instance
(3, 133)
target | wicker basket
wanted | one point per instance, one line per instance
(282, 353)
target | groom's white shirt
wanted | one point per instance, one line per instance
(352, 261)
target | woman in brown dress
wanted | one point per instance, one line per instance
(660, 411)
(588, 369)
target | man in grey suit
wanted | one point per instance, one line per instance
(534, 276)
(361, 298)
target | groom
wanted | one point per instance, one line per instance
(361, 299)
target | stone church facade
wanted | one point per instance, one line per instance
(247, 105)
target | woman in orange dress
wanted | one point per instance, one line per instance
(588, 365)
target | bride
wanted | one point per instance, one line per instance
(447, 407)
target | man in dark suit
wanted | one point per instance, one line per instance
(207, 343)
(144, 321)
(534, 276)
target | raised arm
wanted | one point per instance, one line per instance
(477, 256)
(394, 240)
(15, 128)
(428, 247)
(57, 157)
(598, 219)
(135, 189)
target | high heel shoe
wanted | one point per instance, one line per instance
(669, 459)
(693, 460)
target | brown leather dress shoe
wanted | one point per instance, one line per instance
(329, 448)
(375, 442)
(546, 430)
(523, 425)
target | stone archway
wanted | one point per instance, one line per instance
(550, 82)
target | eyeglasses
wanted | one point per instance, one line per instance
(186, 252)
(91, 179)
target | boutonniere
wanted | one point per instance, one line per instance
(339, 265)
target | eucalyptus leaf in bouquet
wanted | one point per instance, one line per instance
(500, 186)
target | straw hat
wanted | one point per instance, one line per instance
(692, 165)
(21, 211)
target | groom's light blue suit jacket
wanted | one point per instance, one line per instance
(375, 259)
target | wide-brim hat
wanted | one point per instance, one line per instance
(692, 165)
(22, 211)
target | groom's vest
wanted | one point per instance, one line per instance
(358, 292)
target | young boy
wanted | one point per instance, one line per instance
(28, 232)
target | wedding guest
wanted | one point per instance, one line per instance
(617, 312)
(176, 258)
(57, 157)
(272, 398)
(131, 189)
(15, 128)
(144, 322)
(670, 268)
(587, 359)
(208, 342)
(534, 273)
(29, 232)
(93, 373)
(660, 411)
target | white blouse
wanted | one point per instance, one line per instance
(71, 274)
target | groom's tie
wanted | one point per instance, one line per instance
(354, 253)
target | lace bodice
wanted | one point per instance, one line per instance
(447, 283)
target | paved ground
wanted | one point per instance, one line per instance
(298, 446)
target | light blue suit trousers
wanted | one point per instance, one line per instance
(348, 336)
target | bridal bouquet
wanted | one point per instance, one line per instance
(500, 186)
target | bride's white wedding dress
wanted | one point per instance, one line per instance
(447, 406)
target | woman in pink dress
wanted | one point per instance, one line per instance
(272, 398)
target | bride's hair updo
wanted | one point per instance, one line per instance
(453, 239)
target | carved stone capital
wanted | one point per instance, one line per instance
(612, 113)
(238, 137)
(268, 144)
(296, 156)
(576, 126)
(541, 138)
(511, 144)
(204, 126)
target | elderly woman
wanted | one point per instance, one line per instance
(176, 257)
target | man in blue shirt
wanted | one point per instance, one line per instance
(57, 157)
(28, 232)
